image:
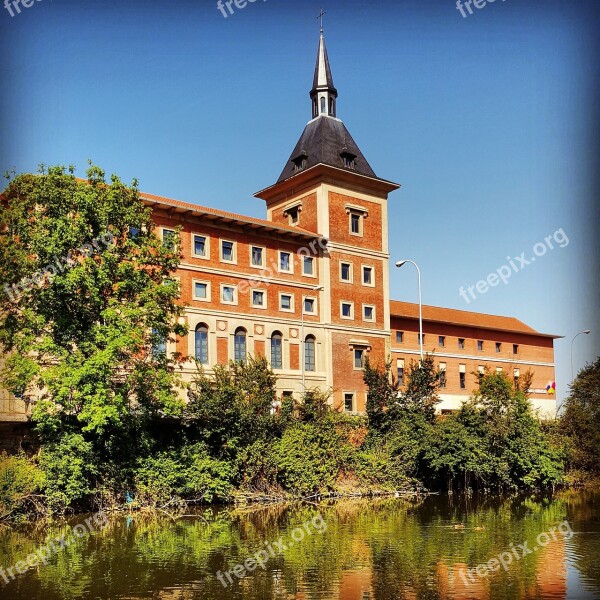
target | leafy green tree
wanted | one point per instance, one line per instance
(382, 395)
(87, 302)
(581, 422)
(423, 383)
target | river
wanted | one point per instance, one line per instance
(353, 549)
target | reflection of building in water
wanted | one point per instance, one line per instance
(551, 573)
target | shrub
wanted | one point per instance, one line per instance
(21, 480)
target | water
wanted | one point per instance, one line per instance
(348, 549)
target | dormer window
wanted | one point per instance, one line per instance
(300, 161)
(348, 159)
(293, 213)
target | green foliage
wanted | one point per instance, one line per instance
(70, 467)
(21, 480)
(310, 457)
(188, 472)
(495, 440)
(90, 296)
(420, 393)
(581, 424)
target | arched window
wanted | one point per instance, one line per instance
(201, 343)
(276, 350)
(239, 345)
(309, 354)
(331, 106)
(323, 104)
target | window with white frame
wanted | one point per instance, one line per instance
(286, 263)
(347, 310)
(310, 306)
(349, 402)
(346, 272)
(228, 294)
(368, 276)
(368, 312)
(259, 298)
(200, 246)
(462, 376)
(277, 350)
(257, 256)
(201, 290)
(356, 223)
(169, 238)
(359, 357)
(228, 251)
(308, 265)
(400, 370)
(286, 302)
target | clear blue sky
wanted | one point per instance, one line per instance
(485, 121)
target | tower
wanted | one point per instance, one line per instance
(328, 187)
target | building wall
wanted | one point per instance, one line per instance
(535, 353)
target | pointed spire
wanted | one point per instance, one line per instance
(323, 93)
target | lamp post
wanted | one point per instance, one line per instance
(586, 332)
(317, 288)
(400, 264)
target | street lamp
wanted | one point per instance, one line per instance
(587, 332)
(317, 288)
(400, 264)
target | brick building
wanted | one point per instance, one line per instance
(308, 287)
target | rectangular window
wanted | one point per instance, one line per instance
(359, 358)
(347, 310)
(159, 344)
(516, 375)
(293, 215)
(201, 290)
(285, 262)
(356, 223)
(442, 341)
(480, 345)
(346, 272)
(349, 402)
(286, 302)
(400, 370)
(168, 238)
(227, 251)
(228, 294)
(498, 347)
(399, 337)
(259, 299)
(443, 375)
(308, 265)
(200, 246)
(462, 376)
(368, 277)
(309, 306)
(461, 343)
(499, 370)
(310, 362)
(515, 348)
(368, 312)
(480, 371)
(257, 256)
(421, 338)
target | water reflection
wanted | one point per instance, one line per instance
(372, 549)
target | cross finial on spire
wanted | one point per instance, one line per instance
(321, 15)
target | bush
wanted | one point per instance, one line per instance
(70, 469)
(182, 473)
(21, 481)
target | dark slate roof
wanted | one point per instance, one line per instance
(323, 141)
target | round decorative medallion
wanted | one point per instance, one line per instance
(294, 333)
(222, 325)
(259, 330)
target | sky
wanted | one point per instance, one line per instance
(489, 122)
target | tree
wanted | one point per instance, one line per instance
(423, 383)
(88, 301)
(581, 421)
